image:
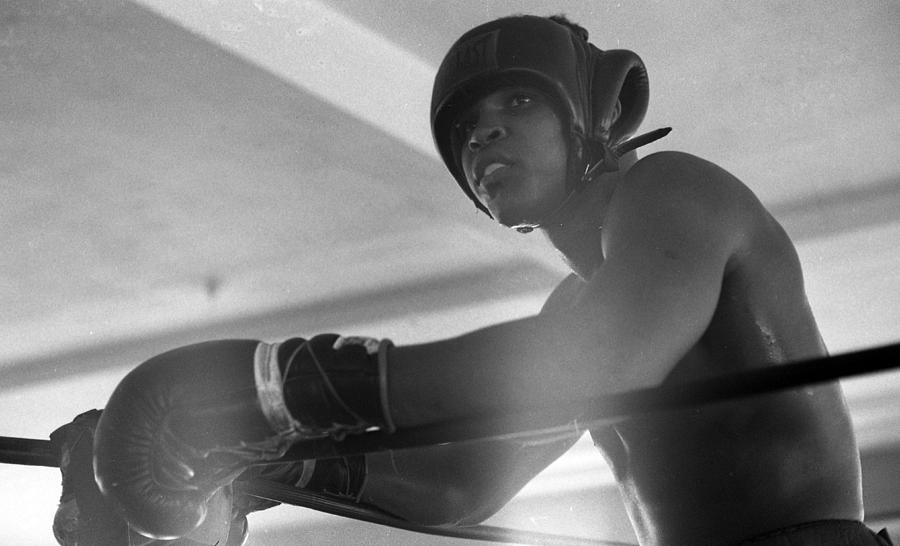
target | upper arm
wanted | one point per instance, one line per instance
(669, 233)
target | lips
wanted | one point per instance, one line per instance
(488, 165)
(490, 169)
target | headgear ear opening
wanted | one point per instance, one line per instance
(618, 75)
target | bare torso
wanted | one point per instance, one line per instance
(725, 294)
(725, 472)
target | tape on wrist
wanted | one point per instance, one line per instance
(309, 468)
(270, 387)
(270, 392)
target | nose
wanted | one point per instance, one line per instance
(483, 135)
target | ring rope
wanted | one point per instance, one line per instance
(287, 494)
(26, 451)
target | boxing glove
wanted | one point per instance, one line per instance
(186, 423)
(85, 518)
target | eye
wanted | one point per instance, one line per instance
(520, 99)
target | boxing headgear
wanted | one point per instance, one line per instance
(539, 52)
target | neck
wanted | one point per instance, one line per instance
(579, 236)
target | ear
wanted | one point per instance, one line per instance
(617, 112)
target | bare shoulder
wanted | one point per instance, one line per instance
(671, 189)
(675, 159)
(672, 173)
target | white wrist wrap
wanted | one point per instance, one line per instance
(270, 391)
(309, 468)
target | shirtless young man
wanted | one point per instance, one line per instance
(679, 273)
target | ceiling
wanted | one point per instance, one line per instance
(175, 171)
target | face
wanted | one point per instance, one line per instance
(514, 154)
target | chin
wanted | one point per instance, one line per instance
(511, 211)
(503, 215)
(511, 219)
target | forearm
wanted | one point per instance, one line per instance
(187, 422)
(459, 484)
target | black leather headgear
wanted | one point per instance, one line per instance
(536, 51)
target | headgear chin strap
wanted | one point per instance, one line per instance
(606, 161)
(586, 82)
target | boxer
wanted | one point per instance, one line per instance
(679, 273)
